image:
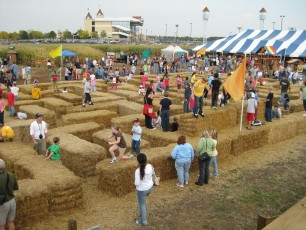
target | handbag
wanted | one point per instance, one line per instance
(155, 178)
(147, 109)
(204, 156)
(3, 197)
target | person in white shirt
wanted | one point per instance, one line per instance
(87, 90)
(144, 185)
(15, 91)
(38, 132)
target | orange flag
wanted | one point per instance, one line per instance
(234, 84)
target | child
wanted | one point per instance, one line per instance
(277, 112)
(301, 95)
(27, 79)
(114, 84)
(53, 151)
(152, 85)
(167, 83)
(87, 90)
(175, 124)
(93, 82)
(193, 79)
(158, 121)
(36, 93)
(11, 102)
(35, 82)
(213, 157)
(286, 101)
(54, 80)
(6, 132)
(179, 83)
(141, 91)
(144, 78)
(160, 87)
(137, 131)
(187, 96)
(221, 98)
(64, 90)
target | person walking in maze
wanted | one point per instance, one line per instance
(38, 132)
(87, 90)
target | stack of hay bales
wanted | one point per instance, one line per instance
(80, 156)
(70, 97)
(45, 187)
(108, 98)
(119, 178)
(100, 116)
(21, 130)
(158, 138)
(27, 102)
(57, 105)
(111, 106)
(83, 130)
(101, 138)
(127, 107)
(31, 110)
(125, 123)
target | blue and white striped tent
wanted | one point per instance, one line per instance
(286, 43)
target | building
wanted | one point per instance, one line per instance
(113, 28)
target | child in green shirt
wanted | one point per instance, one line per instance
(53, 151)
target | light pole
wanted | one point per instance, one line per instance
(165, 33)
(273, 24)
(239, 28)
(282, 17)
(205, 20)
(176, 32)
(262, 18)
(190, 30)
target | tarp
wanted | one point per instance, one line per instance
(68, 53)
(286, 42)
(171, 53)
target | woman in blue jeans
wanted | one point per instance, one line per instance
(144, 186)
(183, 154)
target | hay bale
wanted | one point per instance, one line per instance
(126, 122)
(27, 102)
(158, 138)
(105, 99)
(118, 178)
(100, 116)
(83, 130)
(111, 106)
(127, 107)
(100, 138)
(80, 156)
(21, 130)
(22, 96)
(48, 93)
(31, 110)
(129, 95)
(70, 97)
(57, 105)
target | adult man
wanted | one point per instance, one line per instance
(165, 106)
(198, 91)
(8, 184)
(15, 91)
(38, 132)
(14, 71)
(215, 86)
(285, 86)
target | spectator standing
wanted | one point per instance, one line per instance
(144, 186)
(269, 102)
(11, 102)
(8, 184)
(205, 144)
(285, 87)
(215, 86)
(137, 131)
(165, 106)
(251, 108)
(183, 154)
(38, 132)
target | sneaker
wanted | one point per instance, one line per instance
(131, 156)
(216, 107)
(137, 222)
(180, 185)
(202, 114)
(114, 160)
(195, 115)
(90, 103)
(304, 115)
(152, 128)
(278, 102)
(83, 105)
(197, 183)
(186, 182)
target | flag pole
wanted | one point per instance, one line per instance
(61, 62)
(242, 102)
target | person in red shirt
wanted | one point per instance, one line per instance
(54, 80)
(10, 97)
(167, 83)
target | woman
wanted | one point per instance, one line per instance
(144, 185)
(269, 101)
(183, 154)
(119, 143)
(213, 158)
(206, 144)
(148, 99)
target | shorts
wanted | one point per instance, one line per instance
(8, 211)
(121, 150)
(54, 82)
(179, 86)
(250, 116)
(78, 71)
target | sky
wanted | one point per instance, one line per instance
(225, 15)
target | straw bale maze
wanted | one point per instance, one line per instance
(47, 187)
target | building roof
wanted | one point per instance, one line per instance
(206, 9)
(88, 16)
(99, 13)
(263, 10)
(119, 19)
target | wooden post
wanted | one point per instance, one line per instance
(72, 225)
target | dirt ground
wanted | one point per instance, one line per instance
(265, 181)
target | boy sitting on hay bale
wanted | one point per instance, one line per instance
(6, 132)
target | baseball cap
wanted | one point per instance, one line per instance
(136, 120)
(38, 115)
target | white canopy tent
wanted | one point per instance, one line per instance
(171, 53)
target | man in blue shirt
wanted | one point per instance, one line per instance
(137, 131)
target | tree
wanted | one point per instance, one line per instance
(94, 34)
(13, 36)
(84, 34)
(23, 34)
(103, 34)
(67, 34)
(52, 34)
(34, 34)
(4, 35)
